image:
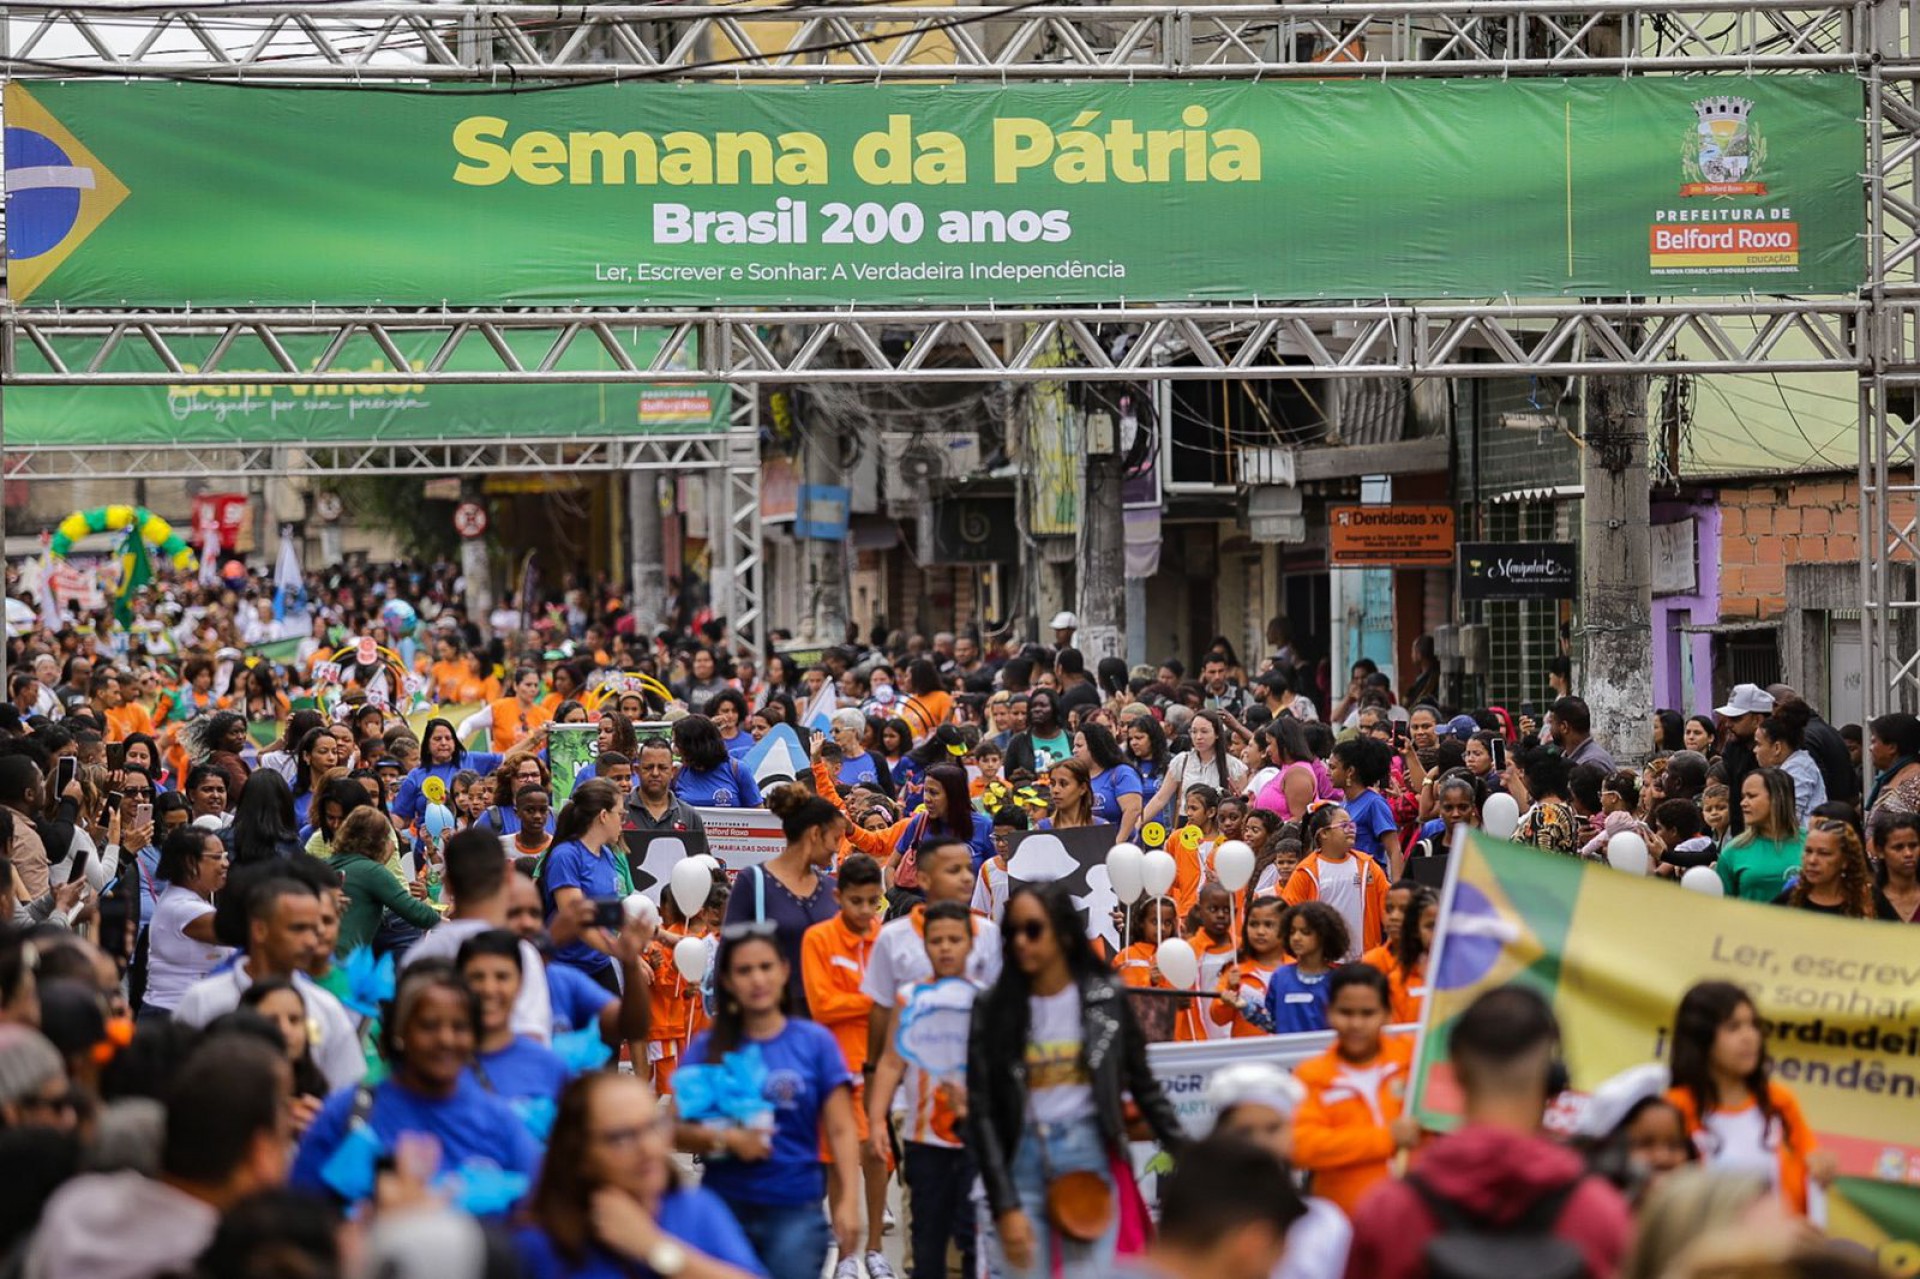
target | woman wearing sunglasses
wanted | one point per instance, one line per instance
(773, 1179)
(1053, 1048)
(609, 1199)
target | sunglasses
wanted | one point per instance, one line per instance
(1032, 930)
(749, 928)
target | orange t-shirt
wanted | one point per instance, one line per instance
(127, 719)
(1254, 977)
(1135, 967)
(1341, 1133)
(1215, 957)
(511, 724)
(833, 963)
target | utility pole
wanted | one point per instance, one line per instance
(826, 560)
(647, 551)
(1616, 583)
(1101, 543)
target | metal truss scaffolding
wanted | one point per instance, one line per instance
(1875, 335)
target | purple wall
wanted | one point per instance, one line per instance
(1670, 612)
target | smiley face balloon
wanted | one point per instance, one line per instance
(434, 790)
(1153, 834)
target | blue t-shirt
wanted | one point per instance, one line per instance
(302, 805)
(1371, 820)
(979, 837)
(474, 1128)
(409, 805)
(577, 999)
(693, 1216)
(570, 865)
(739, 745)
(804, 1066)
(728, 786)
(858, 771)
(1109, 787)
(1296, 1003)
(523, 1070)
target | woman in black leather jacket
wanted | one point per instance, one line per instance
(1053, 1052)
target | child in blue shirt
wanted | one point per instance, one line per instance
(1358, 766)
(1315, 936)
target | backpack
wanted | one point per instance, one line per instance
(1469, 1247)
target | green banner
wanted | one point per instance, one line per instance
(387, 406)
(658, 195)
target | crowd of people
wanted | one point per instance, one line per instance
(299, 983)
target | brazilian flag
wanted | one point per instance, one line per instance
(135, 572)
(1883, 1216)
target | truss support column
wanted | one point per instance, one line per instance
(739, 594)
(829, 605)
(1616, 584)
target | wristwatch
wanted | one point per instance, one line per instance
(666, 1258)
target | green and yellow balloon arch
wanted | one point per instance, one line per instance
(153, 530)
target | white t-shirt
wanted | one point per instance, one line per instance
(899, 958)
(532, 1011)
(333, 1033)
(1317, 1244)
(1059, 1087)
(1737, 1140)
(991, 889)
(1187, 771)
(1341, 886)
(174, 960)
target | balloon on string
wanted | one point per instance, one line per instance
(690, 957)
(691, 883)
(437, 821)
(1704, 880)
(1628, 852)
(1125, 872)
(1501, 816)
(1233, 864)
(1157, 872)
(1178, 964)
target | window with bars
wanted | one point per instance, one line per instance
(1522, 635)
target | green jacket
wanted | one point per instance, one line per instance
(372, 888)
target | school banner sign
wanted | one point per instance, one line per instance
(388, 405)
(170, 195)
(1615, 952)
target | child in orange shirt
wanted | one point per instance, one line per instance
(1214, 946)
(1351, 1126)
(1394, 914)
(1154, 918)
(833, 964)
(1409, 976)
(1349, 881)
(675, 1001)
(1262, 951)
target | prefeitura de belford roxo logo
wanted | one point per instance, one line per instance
(1712, 228)
(1724, 151)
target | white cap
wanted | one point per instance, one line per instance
(1747, 699)
(1065, 622)
(1259, 1082)
(1616, 1098)
(210, 822)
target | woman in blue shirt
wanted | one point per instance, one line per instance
(518, 1070)
(318, 752)
(728, 711)
(428, 1043)
(587, 860)
(1117, 793)
(710, 777)
(1146, 749)
(441, 755)
(610, 1201)
(949, 814)
(773, 1181)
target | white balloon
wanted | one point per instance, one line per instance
(1501, 816)
(1628, 852)
(1705, 880)
(690, 957)
(1157, 870)
(1233, 864)
(691, 882)
(1125, 872)
(708, 860)
(1178, 964)
(640, 909)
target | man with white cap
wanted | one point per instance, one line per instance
(1741, 716)
(1255, 1101)
(1064, 625)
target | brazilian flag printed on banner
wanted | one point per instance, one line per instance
(1614, 953)
(1880, 1215)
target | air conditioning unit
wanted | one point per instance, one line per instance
(1446, 646)
(910, 461)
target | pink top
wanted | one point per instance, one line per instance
(1274, 794)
